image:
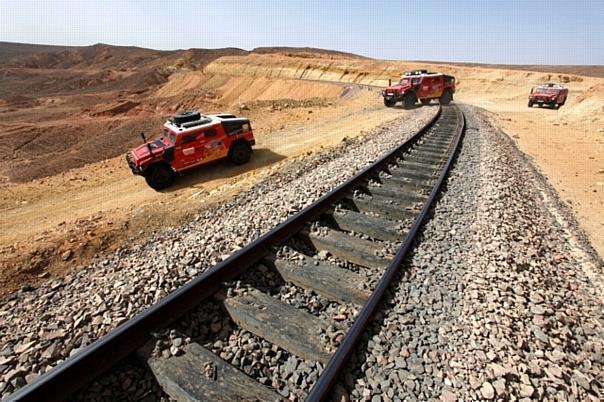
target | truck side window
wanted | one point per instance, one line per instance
(236, 126)
(188, 138)
(209, 132)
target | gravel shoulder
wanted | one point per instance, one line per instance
(502, 299)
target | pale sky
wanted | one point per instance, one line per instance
(486, 31)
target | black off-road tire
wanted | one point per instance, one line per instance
(445, 98)
(389, 103)
(159, 176)
(530, 104)
(409, 100)
(425, 101)
(240, 153)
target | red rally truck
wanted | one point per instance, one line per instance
(420, 85)
(548, 94)
(190, 139)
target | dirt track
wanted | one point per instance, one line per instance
(109, 185)
(298, 102)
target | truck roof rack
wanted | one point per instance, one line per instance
(195, 123)
(189, 119)
(415, 72)
(551, 85)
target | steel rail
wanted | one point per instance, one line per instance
(95, 359)
(321, 389)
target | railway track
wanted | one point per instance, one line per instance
(345, 248)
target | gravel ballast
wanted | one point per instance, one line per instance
(44, 326)
(501, 300)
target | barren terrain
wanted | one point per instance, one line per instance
(67, 116)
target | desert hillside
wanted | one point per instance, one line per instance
(68, 115)
(94, 98)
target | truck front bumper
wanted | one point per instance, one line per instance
(541, 101)
(391, 96)
(135, 169)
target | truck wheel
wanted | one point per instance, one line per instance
(240, 153)
(530, 104)
(445, 98)
(409, 100)
(425, 101)
(389, 103)
(159, 177)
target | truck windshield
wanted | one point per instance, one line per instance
(168, 136)
(547, 91)
(157, 144)
(404, 81)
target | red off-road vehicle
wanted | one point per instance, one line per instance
(549, 94)
(191, 139)
(420, 85)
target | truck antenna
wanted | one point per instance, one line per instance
(145, 141)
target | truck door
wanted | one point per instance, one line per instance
(189, 150)
(425, 87)
(564, 94)
(214, 146)
(438, 85)
(416, 85)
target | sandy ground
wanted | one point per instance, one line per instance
(297, 104)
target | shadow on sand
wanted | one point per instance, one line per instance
(223, 169)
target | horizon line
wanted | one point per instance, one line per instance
(470, 63)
